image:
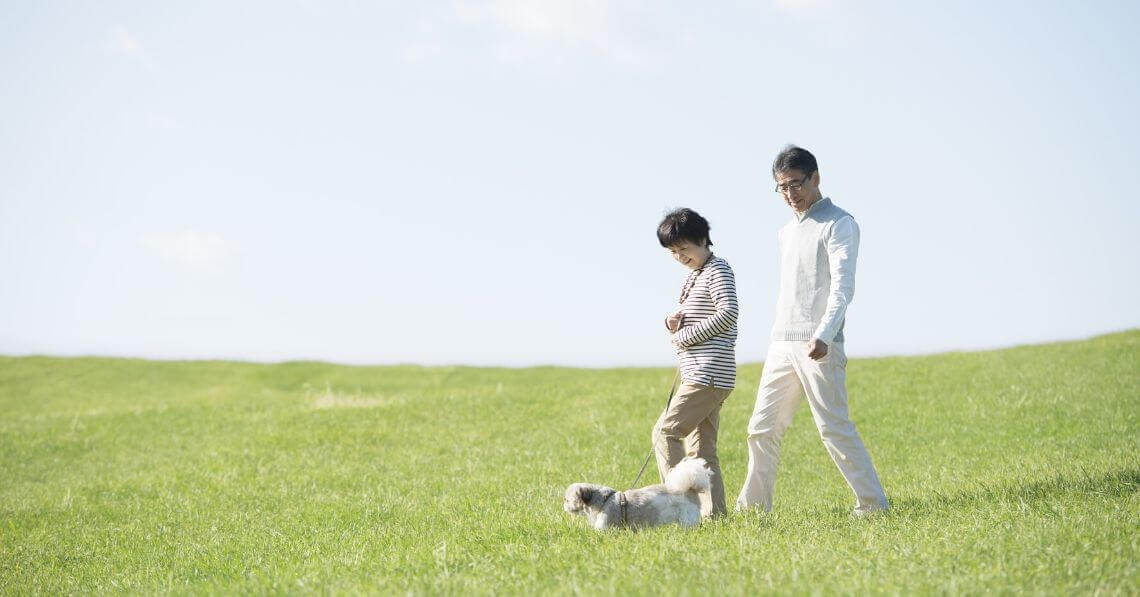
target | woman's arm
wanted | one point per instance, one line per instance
(722, 290)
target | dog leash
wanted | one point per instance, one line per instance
(672, 390)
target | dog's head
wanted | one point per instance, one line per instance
(583, 497)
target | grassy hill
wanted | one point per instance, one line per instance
(1008, 470)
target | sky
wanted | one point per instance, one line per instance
(480, 182)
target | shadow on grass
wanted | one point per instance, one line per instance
(1037, 496)
(1034, 495)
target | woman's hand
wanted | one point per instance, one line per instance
(673, 321)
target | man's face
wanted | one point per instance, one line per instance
(799, 191)
(689, 254)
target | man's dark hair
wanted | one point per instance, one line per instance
(794, 158)
(683, 224)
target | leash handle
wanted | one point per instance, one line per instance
(672, 390)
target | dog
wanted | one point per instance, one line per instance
(674, 501)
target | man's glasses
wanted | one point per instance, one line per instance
(793, 186)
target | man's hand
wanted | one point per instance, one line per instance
(673, 321)
(818, 349)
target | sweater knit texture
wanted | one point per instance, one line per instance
(818, 251)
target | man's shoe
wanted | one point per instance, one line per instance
(863, 512)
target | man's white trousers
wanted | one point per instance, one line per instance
(789, 376)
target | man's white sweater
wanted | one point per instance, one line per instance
(818, 250)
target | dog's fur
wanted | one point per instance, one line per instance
(674, 501)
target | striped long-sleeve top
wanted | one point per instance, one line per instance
(706, 342)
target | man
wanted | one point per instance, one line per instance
(818, 249)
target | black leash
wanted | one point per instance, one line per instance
(672, 390)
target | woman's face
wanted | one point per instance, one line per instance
(689, 254)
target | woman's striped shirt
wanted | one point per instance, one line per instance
(706, 342)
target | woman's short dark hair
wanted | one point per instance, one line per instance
(683, 224)
(794, 158)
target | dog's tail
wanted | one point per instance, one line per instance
(691, 474)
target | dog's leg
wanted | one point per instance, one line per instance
(690, 516)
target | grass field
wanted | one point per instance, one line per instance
(1011, 470)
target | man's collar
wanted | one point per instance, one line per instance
(821, 201)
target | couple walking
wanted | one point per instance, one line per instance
(818, 250)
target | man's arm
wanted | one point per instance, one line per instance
(842, 252)
(722, 289)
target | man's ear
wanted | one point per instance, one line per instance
(815, 177)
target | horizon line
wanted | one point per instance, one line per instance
(246, 360)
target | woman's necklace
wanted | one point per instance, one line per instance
(692, 279)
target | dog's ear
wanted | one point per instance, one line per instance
(600, 495)
(586, 494)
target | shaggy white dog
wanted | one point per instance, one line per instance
(674, 501)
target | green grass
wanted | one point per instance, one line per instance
(1012, 470)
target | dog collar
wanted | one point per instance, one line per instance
(624, 502)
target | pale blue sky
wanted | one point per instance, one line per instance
(479, 182)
